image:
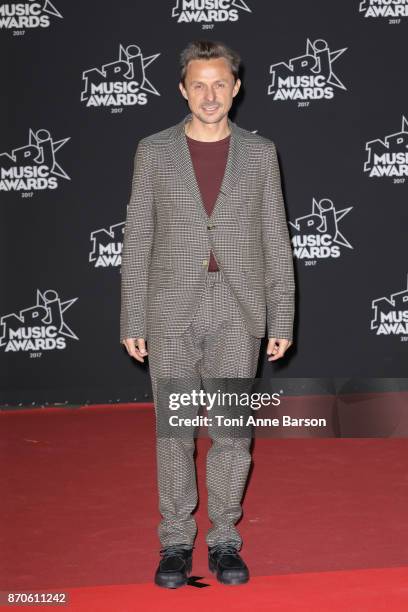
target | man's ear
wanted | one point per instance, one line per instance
(237, 86)
(182, 89)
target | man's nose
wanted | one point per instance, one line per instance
(210, 95)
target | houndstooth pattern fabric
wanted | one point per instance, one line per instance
(168, 237)
(215, 345)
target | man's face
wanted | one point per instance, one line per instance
(209, 88)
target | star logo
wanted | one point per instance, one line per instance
(37, 139)
(318, 60)
(323, 219)
(50, 9)
(51, 297)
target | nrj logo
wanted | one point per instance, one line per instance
(306, 77)
(29, 14)
(119, 83)
(107, 246)
(38, 328)
(208, 11)
(388, 157)
(384, 8)
(391, 314)
(32, 167)
(317, 235)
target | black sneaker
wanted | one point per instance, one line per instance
(174, 566)
(225, 560)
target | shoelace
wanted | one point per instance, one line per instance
(173, 549)
(225, 548)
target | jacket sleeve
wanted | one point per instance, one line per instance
(136, 249)
(279, 271)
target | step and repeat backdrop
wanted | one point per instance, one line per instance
(83, 82)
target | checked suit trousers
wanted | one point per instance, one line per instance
(216, 344)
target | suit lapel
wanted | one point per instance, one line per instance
(234, 168)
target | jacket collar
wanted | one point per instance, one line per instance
(237, 156)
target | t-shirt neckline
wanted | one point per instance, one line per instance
(206, 143)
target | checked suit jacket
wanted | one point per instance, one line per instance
(168, 237)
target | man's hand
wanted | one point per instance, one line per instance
(277, 348)
(139, 351)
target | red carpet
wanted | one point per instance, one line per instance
(325, 520)
(357, 591)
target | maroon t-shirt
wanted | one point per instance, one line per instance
(209, 161)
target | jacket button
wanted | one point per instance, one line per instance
(210, 226)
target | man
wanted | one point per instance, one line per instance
(206, 264)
